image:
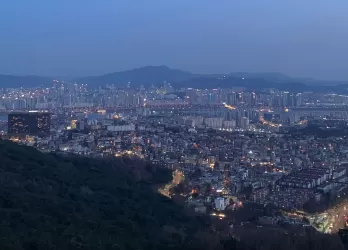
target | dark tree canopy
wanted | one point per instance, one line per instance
(49, 201)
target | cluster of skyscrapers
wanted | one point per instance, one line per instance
(273, 99)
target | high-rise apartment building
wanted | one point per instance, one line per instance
(232, 98)
(29, 123)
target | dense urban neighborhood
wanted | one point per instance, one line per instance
(232, 151)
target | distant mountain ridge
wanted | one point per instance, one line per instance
(145, 75)
(155, 75)
(271, 76)
(159, 74)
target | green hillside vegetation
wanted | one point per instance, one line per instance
(50, 201)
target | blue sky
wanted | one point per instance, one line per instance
(88, 37)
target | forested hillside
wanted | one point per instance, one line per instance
(55, 202)
(49, 201)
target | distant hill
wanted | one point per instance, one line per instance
(10, 81)
(178, 78)
(146, 75)
(281, 78)
(269, 76)
(158, 74)
(245, 82)
(314, 82)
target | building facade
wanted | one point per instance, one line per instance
(29, 123)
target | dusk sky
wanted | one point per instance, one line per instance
(87, 37)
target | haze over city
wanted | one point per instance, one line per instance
(83, 38)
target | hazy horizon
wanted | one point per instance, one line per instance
(71, 77)
(84, 38)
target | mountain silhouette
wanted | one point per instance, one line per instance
(156, 75)
(145, 75)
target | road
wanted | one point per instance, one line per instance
(337, 218)
(178, 177)
(330, 221)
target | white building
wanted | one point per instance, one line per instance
(244, 123)
(220, 203)
(198, 120)
(229, 124)
(213, 122)
(121, 128)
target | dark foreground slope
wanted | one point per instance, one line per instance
(55, 202)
